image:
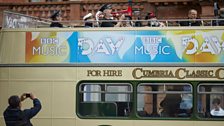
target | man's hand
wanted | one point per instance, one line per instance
(32, 96)
(24, 96)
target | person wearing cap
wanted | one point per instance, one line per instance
(107, 18)
(99, 14)
(13, 114)
(56, 18)
(152, 20)
(220, 21)
(192, 19)
(88, 19)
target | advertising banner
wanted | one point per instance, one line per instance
(151, 46)
(18, 20)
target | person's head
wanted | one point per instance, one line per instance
(150, 16)
(192, 14)
(216, 103)
(128, 22)
(221, 12)
(56, 16)
(152, 20)
(14, 101)
(107, 9)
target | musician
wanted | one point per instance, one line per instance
(107, 20)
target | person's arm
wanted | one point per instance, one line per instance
(35, 109)
(119, 23)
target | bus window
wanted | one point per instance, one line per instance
(105, 99)
(164, 100)
(211, 100)
(114, 95)
(90, 95)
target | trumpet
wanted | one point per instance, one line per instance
(127, 12)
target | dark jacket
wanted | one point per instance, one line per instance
(56, 24)
(190, 23)
(218, 22)
(18, 117)
(107, 23)
(170, 105)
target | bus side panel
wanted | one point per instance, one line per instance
(55, 87)
(12, 47)
(209, 123)
(163, 123)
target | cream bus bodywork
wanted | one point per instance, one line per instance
(55, 84)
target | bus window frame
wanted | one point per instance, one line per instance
(80, 93)
(164, 91)
(199, 93)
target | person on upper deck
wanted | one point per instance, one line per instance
(192, 19)
(107, 20)
(56, 18)
(99, 14)
(152, 20)
(219, 22)
(88, 19)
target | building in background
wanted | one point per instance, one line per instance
(75, 9)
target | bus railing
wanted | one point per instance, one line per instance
(144, 23)
(17, 20)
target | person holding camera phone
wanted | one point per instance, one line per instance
(13, 114)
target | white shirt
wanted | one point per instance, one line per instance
(220, 112)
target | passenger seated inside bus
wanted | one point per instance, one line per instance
(217, 109)
(170, 105)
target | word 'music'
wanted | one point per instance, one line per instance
(49, 47)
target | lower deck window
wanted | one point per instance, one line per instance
(105, 99)
(211, 100)
(151, 100)
(164, 100)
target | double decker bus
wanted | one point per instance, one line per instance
(144, 76)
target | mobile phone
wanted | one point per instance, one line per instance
(27, 95)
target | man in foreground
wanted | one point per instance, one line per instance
(13, 114)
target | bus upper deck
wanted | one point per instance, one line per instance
(149, 45)
(159, 76)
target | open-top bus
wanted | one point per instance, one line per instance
(116, 77)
